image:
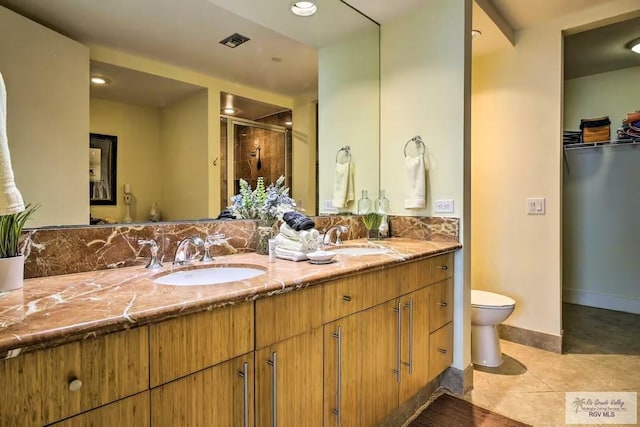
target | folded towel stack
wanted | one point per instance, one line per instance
(294, 245)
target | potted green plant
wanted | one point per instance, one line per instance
(11, 248)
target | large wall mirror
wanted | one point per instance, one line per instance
(167, 71)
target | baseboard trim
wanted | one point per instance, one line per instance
(531, 338)
(457, 381)
(599, 300)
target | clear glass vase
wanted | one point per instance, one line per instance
(264, 232)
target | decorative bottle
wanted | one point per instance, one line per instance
(382, 207)
(364, 204)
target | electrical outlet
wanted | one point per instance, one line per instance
(536, 206)
(443, 206)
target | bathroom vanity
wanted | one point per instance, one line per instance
(346, 343)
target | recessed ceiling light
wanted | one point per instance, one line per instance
(97, 80)
(303, 8)
(475, 34)
(634, 45)
(276, 59)
(229, 110)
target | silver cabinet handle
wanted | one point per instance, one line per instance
(274, 388)
(245, 377)
(396, 371)
(443, 304)
(410, 363)
(443, 267)
(346, 298)
(338, 410)
(442, 350)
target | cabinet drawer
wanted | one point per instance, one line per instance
(132, 411)
(441, 305)
(441, 267)
(356, 293)
(440, 350)
(283, 316)
(412, 276)
(187, 344)
(83, 375)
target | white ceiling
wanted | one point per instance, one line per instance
(186, 33)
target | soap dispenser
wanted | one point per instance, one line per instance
(364, 204)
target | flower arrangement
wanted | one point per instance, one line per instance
(267, 204)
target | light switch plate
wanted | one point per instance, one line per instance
(536, 206)
(443, 206)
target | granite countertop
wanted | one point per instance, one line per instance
(49, 311)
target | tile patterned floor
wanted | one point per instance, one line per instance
(530, 386)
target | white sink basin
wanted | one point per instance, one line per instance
(360, 251)
(208, 276)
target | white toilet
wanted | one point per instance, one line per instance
(488, 309)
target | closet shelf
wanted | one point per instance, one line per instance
(568, 147)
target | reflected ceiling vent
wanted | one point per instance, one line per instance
(234, 40)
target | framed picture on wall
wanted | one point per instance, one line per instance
(103, 158)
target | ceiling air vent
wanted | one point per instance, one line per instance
(234, 40)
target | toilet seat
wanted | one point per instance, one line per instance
(485, 299)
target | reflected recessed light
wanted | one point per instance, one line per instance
(229, 110)
(288, 123)
(475, 34)
(97, 80)
(634, 45)
(303, 8)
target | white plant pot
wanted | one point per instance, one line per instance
(11, 273)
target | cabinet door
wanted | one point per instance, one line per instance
(221, 395)
(380, 361)
(415, 343)
(132, 411)
(343, 371)
(289, 382)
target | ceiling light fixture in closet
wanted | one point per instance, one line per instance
(634, 45)
(303, 8)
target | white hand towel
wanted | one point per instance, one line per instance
(288, 231)
(415, 183)
(343, 188)
(290, 255)
(293, 245)
(10, 198)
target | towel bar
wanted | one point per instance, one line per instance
(419, 143)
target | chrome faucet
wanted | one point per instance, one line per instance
(154, 263)
(182, 251)
(216, 239)
(339, 229)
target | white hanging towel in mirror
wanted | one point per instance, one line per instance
(415, 183)
(343, 188)
(10, 198)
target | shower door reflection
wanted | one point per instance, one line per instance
(255, 149)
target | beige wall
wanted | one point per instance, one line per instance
(517, 153)
(349, 112)
(425, 91)
(47, 118)
(184, 139)
(138, 131)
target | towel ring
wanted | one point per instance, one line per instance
(347, 151)
(419, 145)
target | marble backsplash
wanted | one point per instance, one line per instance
(55, 250)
